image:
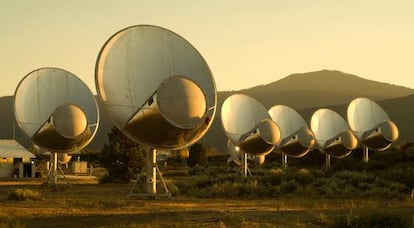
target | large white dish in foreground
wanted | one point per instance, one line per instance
(56, 110)
(156, 87)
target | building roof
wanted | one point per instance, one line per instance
(10, 148)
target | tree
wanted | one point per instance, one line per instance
(197, 155)
(122, 157)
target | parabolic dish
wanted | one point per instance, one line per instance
(296, 138)
(156, 87)
(363, 115)
(240, 114)
(332, 133)
(248, 125)
(56, 110)
(371, 124)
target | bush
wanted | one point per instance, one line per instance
(401, 174)
(288, 187)
(219, 182)
(197, 155)
(24, 194)
(122, 157)
(304, 177)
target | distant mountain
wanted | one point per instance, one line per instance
(304, 92)
(321, 88)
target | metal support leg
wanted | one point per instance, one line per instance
(151, 178)
(366, 154)
(55, 164)
(63, 174)
(327, 161)
(284, 162)
(244, 164)
(151, 171)
(53, 172)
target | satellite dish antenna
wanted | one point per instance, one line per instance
(296, 137)
(332, 134)
(157, 89)
(236, 156)
(249, 127)
(57, 111)
(371, 125)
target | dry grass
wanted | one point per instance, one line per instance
(103, 205)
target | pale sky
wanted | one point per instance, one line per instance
(245, 42)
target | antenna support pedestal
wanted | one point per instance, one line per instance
(151, 171)
(53, 173)
(151, 179)
(284, 162)
(327, 161)
(366, 154)
(245, 171)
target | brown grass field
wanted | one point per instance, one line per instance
(89, 204)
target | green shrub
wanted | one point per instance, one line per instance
(288, 187)
(271, 178)
(401, 174)
(304, 176)
(216, 182)
(24, 194)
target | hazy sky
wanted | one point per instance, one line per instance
(246, 43)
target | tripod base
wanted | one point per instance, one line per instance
(53, 173)
(151, 179)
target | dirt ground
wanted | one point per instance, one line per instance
(88, 204)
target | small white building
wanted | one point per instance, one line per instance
(15, 160)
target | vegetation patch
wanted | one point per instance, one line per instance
(24, 194)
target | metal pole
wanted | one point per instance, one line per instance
(366, 154)
(327, 161)
(284, 162)
(244, 164)
(151, 171)
(55, 164)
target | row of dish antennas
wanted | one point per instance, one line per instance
(159, 91)
(153, 84)
(253, 130)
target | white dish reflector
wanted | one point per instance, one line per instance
(248, 125)
(371, 124)
(56, 110)
(156, 87)
(296, 137)
(332, 133)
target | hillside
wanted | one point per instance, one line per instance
(304, 92)
(320, 88)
